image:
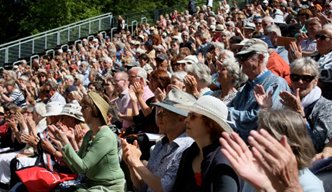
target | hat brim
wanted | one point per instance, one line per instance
(172, 108)
(245, 52)
(221, 122)
(80, 118)
(50, 114)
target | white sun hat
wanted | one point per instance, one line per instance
(53, 109)
(212, 108)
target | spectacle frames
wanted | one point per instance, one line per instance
(321, 37)
(305, 78)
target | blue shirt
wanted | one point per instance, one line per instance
(165, 159)
(243, 109)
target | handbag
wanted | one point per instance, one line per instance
(39, 179)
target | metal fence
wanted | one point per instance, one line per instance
(10, 52)
(45, 42)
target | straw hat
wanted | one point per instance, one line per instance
(212, 108)
(101, 104)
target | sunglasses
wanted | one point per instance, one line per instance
(244, 57)
(305, 78)
(321, 37)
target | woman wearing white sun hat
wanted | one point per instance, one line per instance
(202, 166)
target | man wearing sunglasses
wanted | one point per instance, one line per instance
(324, 47)
(243, 109)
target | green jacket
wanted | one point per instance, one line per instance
(98, 159)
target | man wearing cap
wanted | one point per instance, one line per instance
(243, 108)
(161, 170)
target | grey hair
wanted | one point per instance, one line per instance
(40, 108)
(305, 64)
(233, 68)
(273, 28)
(227, 54)
(180, 75)
(266, 58)
(141, 73)
(106, 59)
(328, 27)
(268, 19)
(201, 71)
(218, 45)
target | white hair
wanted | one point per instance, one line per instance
(273, 28)
(180, 75)
(201, 71)
(140, 73)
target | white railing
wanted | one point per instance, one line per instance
(25, 47)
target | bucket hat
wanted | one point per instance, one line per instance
(73, 110)
(53, 109)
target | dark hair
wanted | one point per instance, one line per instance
(162, 77)
(214, 128)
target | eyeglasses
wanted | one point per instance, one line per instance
(321, 37)
(304, 78)
(244, 57)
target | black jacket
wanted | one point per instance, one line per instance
(217, 174)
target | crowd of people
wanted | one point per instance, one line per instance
(239, 98)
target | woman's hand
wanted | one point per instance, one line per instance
(29, 139)
(20, 118)
(294, 51)
(62, 137)
(263, 99)
(159, 94)
(277, 159)
(191, 85)
(292, 101)
(243, 162)
(326, 153)
(47, 146)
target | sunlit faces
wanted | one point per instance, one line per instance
(304, 81)
(195, 126)
(324, 41)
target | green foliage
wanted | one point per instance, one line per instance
(21, 18)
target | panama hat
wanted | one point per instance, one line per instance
(73, 110)
(53, 109)
(176, 96)
(101, 104)
(212, 108)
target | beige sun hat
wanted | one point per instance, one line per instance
(212, 108)
(73, 110)
(101, 104)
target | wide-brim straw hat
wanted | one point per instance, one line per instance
(212, 108)
(101, 104)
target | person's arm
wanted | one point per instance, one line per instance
(225, 179)
(100, 146)
(5, 98)
(140, 173)
(151, 180)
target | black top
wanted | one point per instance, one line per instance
(217, 174)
